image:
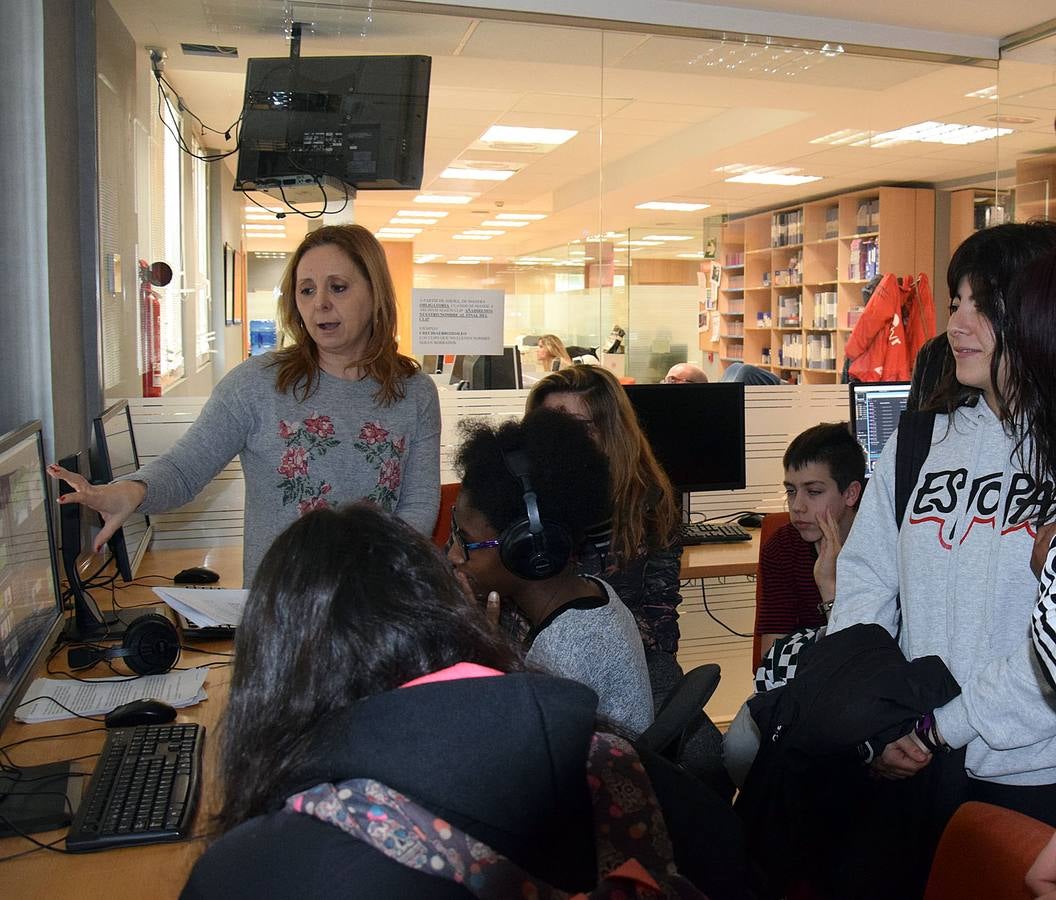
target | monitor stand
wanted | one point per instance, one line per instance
(87, 625)
(684, 507)
(39, 798)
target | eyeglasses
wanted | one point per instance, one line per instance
(673, 379)
(465, 546)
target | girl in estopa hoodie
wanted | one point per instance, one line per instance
(959, 567)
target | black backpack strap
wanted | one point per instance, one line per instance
(914, 444)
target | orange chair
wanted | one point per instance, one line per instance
(442, 528)
(771, 522)
(985, 851)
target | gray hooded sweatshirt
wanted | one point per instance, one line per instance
(961, 564)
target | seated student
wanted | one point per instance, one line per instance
(824, 477)
(545, 472)
(746, 373)
(362, 669)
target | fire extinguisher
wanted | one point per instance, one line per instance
(150, 326)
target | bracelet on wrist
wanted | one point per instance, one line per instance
(928, 733)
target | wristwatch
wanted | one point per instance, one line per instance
(825, 608)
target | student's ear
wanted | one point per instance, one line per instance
(852, 494)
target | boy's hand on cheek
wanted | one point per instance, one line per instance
(828, 548)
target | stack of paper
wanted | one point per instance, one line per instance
(206, 607)
(96, 697)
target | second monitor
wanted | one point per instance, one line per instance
(696, 432)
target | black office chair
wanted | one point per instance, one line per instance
(680, 715)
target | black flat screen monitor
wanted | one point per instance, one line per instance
(488, 373)
(696, 432)
(30, 619)
(875, 409)
(115, 446)
(357, 119)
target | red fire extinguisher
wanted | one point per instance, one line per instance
(150, 324)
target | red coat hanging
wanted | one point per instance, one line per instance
(898, 319)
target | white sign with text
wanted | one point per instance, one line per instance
(454, 321)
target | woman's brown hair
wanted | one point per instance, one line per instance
(644, 515)
(298, 364)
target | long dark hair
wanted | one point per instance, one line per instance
(644, 514)
(298, 364)
(347, 603)
(990, 260)
(1031, 362)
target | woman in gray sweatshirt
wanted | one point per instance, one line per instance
(955, 580)
(337, 415)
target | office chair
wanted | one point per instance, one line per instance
(442, 528)
(681, 712)
(771, 523)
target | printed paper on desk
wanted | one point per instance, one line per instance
(94, 697)
(206, 607)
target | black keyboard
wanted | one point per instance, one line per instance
(144, 788)
(707, 533)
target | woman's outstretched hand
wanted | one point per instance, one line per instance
(115, 502)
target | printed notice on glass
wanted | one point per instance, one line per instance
(452, 321)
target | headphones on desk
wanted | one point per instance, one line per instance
(150, 646)
(532, 548)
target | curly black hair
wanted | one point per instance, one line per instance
(569, 473)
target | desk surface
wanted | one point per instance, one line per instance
(719, 560)
(156, 870)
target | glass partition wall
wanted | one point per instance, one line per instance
(708, 197)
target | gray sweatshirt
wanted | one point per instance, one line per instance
(337, 446)
(601, 648)
(962, 566)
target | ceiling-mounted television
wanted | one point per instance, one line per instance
(316, 126)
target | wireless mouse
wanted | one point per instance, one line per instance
(196, 575)
(140, 712)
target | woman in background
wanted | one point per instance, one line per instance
(551, 353)
(339, 414)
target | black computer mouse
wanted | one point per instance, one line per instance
(196, 575)
(140, 712)
(752, 520)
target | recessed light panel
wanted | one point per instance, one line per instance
(673, 207)
(513, 134)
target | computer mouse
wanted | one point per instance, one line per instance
(196, 575)
(752, 520)
(140, 712)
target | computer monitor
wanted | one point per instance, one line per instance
(432, 364)
(115, 446)
(696, 432)
(78, 526)
(31, 799)
(493, 373)
(875, 409)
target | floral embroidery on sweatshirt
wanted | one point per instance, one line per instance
(384, 454)
(305, 441)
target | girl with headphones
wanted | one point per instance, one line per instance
(530, 491)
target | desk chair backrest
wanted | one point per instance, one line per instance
(681, 711)
(985, 851)
(771, 523)
(442, 528)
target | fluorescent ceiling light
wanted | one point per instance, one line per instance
(266, 234)
(478, 174)
(409, 220)
(938, 133)
(845, 137)
(490, 231)
(527, 217)
(497, 223)
(253, 208)
(472, 237)
(462, 262)
(673, 207)
(531, 260)
(638, 243)
(255, 227)
(260, 217)
(742, 174)
(452, 199)
(477, 258)
(668, 237)
(698, 255)
(423, 258)
(431, 213)
(512, 134)
(987, 93)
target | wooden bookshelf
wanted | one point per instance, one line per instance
(793, 276)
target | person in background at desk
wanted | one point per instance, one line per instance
(685, 373)
(551, 353)
(368, 686)
(338, 415)
(635, 551)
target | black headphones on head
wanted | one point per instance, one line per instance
(532, 548)
(150, 646)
